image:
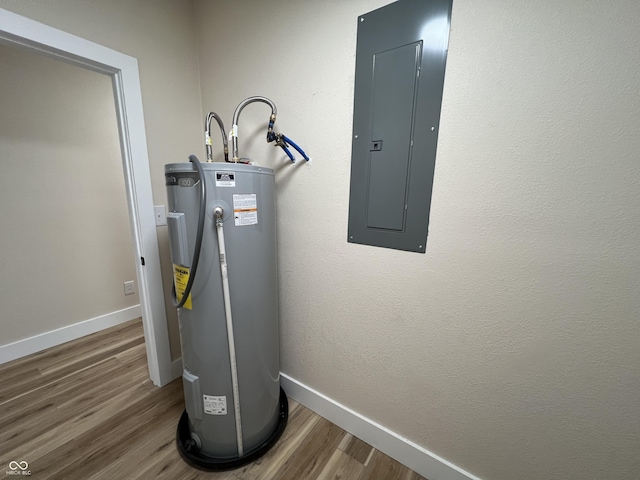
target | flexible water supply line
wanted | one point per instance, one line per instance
(207, 136)
(236, 115)
(218, 212)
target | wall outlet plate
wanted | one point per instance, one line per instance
(129, 288)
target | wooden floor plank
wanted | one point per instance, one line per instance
(34, 409)
(15, 384)
(340, 467)
(411, 475)
(81, 422)
(88, 410)
(300, 424)
(56, 463)
(100, 390)
(292, 405)
(29, 423)
(383, 466)
(143, 454)
(135, 355)
(51, 392)
(76, 347)
(357, 449)
(118, 431)
(171, 466)
(62, 367)
(26, 418)
(311, 456)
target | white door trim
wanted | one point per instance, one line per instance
(123, 71)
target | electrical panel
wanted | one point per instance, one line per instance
(400, 63)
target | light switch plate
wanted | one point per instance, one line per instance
(160, 214)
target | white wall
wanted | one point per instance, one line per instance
(161, 36)
(66, 244)
(511, 347)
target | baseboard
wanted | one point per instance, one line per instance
(415, 457)
(176, 368)
(37, 343)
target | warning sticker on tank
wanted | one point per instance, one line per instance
(181, 277)
(225, 179)
(245, 209)
(214, 405)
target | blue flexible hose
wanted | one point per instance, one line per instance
(294, 145)
(289, 154)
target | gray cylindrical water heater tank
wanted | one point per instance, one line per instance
(227, 424)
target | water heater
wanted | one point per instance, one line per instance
(222, 233)
(235, 408)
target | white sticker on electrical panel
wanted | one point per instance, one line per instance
(225, 179)
(245, 209)
(215, 405)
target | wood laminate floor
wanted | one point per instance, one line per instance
(87, 410)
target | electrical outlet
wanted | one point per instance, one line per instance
(129, 289)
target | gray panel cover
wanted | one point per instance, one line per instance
(400, 64)
(393, 96)
(192, 394)
(178, 239)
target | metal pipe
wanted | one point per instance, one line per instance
(236, 115)
(207, 136)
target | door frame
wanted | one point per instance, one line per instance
(123, 70)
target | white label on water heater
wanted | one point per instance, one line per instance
(225, 179)
(245, 209)
(215, 405)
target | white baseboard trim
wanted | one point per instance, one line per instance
(176, 368)
(37, 343)
(403, 450)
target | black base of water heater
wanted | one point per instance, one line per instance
(194, 457)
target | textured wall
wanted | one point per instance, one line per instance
(63, 198)
(160, 35)
(511, 347)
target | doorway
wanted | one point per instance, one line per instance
(122, 71)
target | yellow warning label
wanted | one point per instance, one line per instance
(181, 277)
